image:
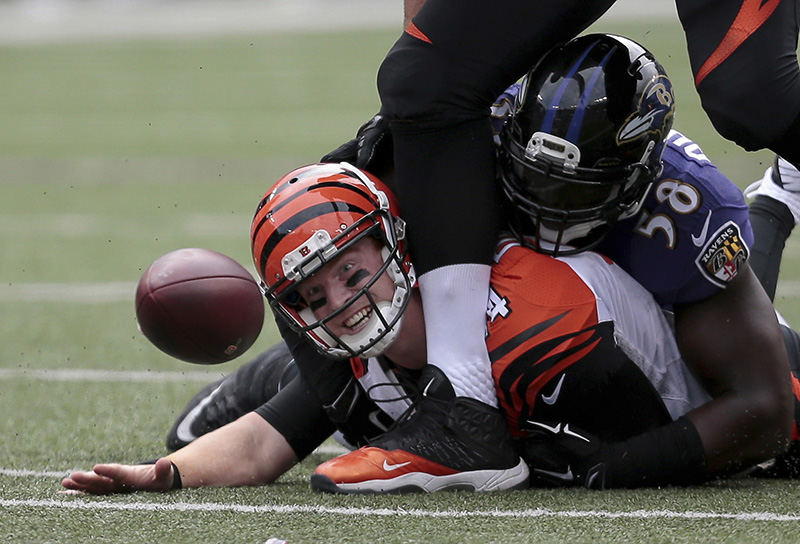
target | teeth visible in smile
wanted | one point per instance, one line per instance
(358, 318)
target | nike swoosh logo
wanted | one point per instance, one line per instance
(554, 430)
(567, 476)
(184, 430)
(388, 467)
(570, 432)
(699, 240)
(428, 386)
(751, 16)
(553, 397)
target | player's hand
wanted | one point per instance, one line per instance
(113, 478)
(371, 149)
(560, 454)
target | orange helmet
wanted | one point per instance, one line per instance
(307, 219)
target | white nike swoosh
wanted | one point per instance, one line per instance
(425, 391)
(573, 433)
(554, 430)
(566, 476)
(698, 240)
(184, 430)
(553, 397)
(388, 467)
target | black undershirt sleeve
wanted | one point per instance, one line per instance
(297, 414)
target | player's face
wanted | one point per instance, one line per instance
(340, 280)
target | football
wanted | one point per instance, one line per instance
(199, 306)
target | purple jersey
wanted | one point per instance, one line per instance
(693, 233)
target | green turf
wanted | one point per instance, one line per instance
(112, 154)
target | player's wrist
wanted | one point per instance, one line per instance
(176, 477)
(177, 483)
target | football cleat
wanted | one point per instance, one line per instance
(781, 182)
(226, 400)
(448, 443)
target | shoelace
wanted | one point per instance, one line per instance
(412, 394)
(415, 395)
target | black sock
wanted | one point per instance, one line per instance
(772, 224)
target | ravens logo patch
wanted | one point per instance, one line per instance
(723, 255)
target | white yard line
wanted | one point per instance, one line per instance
(21, 473)
(87, 293)
(92, 375)
(100, 504)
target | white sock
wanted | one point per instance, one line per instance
(454, 302)
(789, 194)
(788, 171)
(790, 178)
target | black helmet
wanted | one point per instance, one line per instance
(584, 141)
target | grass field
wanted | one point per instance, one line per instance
(114, 153)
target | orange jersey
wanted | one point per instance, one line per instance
(575, 339)
(572, 340)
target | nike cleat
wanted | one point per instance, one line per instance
(449, 443)
(226, 400)
(781, 182)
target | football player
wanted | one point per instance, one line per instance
(564, 334)
(436, 85)
(601, 124)
(587, 160)
(601, 111)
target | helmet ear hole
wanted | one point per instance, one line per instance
(584, 139)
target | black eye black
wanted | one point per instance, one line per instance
(357, 276)
(317, 304)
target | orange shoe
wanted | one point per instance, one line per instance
(373, 470)
(448, 443)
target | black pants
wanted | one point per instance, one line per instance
(439, 79)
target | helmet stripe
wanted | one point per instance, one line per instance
(324, 185)
(576, 124)
(552, 108)
(277, 207)
(298, 219)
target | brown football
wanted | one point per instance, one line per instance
(199, 306)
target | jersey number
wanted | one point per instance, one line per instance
(681, 197)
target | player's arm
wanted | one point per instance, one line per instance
(733, 344)
(252, 450)
(248, 451)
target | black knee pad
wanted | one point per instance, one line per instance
(752, 124)
(411, 79)
(753, 96)
(792, 341)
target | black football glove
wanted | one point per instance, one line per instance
(785, 466)
(371, 149)
(560, 455)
